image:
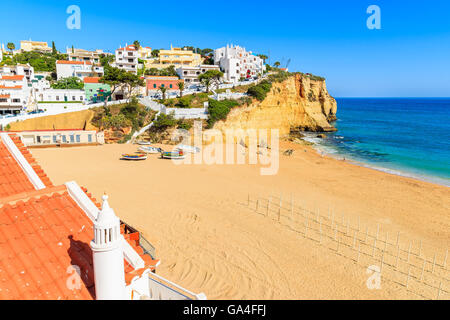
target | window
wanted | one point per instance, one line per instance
(38, 139)
(89, 137)
(73, 98)
(78, 138)
(57, 98)
(162, 85)
(81, 98)
(154, 85)
(72, 138)
(170, 86)
(54, 139)
(64, 139)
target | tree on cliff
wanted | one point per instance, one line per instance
(54, 52)
(277, 64)
(181, 87)
(11, 46)
(209, 77)
(163, 92)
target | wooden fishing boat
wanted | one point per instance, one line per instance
(144, 143)
(136, 156)
(177, 154)
(188, 149)
(150, 149)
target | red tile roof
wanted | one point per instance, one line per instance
(43, 233)
(11, 88)
(130, 47)
(16, 77)
(4, 96)
(73, 62)
(91, 80)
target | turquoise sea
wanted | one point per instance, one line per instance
(406, 136)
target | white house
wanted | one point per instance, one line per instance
(190, 73)
(14, 93)
(61, 95)
(237, 63)
(79, 69)
(127, 59)
(19, 69)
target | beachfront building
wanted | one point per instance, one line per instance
(154, 82)
(14, 93)
(19, 69)
(61, 138)
(190, 73)
(144, 53)
(79, 69)
(127, 59)
(61, 95)
(238, 63)
(175, 56)
(95, 90)
(85, 55)
(28, 45)
(76, 249)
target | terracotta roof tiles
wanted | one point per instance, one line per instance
(43, 234)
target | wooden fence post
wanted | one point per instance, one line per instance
(423, 270)
(439, 290)
(407, 279)
(279, 210)
(409, 250)
(445, 259)
(396, 260)
(420, 247)
(434, 263)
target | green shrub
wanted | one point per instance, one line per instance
(218, 110)
(163, 122)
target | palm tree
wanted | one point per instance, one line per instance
(163, 92)
(181, 87)
(11, 46)
(277, 64)
(263, 56)
(136, 44)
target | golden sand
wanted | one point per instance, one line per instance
(209, 241)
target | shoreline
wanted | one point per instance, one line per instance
(319, 148)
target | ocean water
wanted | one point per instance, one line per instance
(410, 137)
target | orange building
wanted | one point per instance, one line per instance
(154, 82)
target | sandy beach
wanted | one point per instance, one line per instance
(210, 240)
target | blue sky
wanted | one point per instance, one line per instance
(408, 57)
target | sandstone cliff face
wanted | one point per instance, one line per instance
(297, 103)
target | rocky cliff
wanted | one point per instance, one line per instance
(296, 104)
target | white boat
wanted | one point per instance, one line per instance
(150, 149)
(144, 143)
(188, 149)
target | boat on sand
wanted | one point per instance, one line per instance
(150, 149)
(136, 156)
(177, 154)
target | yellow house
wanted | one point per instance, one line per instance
(177, 57)
(28, 45)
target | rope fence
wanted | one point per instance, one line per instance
(419, 267)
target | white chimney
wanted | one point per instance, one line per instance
(107, 252)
